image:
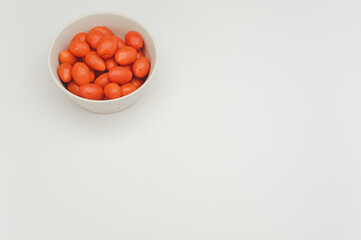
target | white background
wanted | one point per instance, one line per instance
(251, 128)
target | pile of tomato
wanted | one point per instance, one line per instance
(99, 65)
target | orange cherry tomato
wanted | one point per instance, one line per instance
(64, 72)
(120, 75)
(80, 36)
(134, 40)
(102, 80)
(110, 63)
(73, 87)
(127, 88)
(107, 46)
(94, 37)
(91, 91)
(137, 82)
(92, 75)
(65, 56)
(112, 90)
(126, 55)
(79, 48)
(104, 30)
(128, 67)
(140, 54)
(81, 73)
(121, 43)
(94, 61)
(141, 67)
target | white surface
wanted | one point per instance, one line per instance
(120, 25)
(250, 130)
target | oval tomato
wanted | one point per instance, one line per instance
(102, 80)
(107, 46)
(104, 30)
(120, 75)
(81, 73)
(65, 56)
(64, 72)
(94, 61)
(121, 43)
(110, 63)
(112, 90)
(91, 91)
(126, 55)
(92, 75)
(94, 37)
(73, 87)
(127, 88)
(80, 36)
(141, 67)
(79, 48)
(134, 40)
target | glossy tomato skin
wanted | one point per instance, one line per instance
(66, 56)
(81, 73)
(112, 90)
(93, 37)
(102, 80)
(79, 48)
(110, 64)
(94, 61)
(141, 67)
(107, 46)
(128, 67)
(120, 75)
(137, 82)
(134, 39)
(121, 43)
(80, 36)
(92, 75)
(65, 72)
(104, 30)
(126, 55)
(91, 91)
(127, 88)
(73, 87)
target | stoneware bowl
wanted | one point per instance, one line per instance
(120, 25)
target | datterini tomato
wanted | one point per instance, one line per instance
(107, 46)
(112, 90)
(81, 73)
(95, 62)
(104, 30)
(93, 37)
(134, 40)
(65, 56)
(127, 88)
(91, 91)
(110, 63)
(80, 36)
(64, 72)
(126, 55)
(79, 48)
(137, 82)
(73, 87)
(120, 75)
(141, 67)
(102, 80)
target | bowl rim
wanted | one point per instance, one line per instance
(154, 62)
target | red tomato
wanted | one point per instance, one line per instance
(80, 36)
(92, 75)
(120, 75)
(134, 40)
(94, 37)
(128, 67)
(121, 43)
(137, 82)
(73, 87)
(112, 90)
(140, 54)
(81, 73)
(79, 48)
(110, 63)
(104, 30)
(102, 80)
(64, 72)
(91, 91)
(65, 56)
(126, 55)
(127, 88)
(107, 46)
(141, 67)
(94, 61)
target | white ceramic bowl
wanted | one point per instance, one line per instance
(120, 25)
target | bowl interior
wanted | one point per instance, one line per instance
(120, 25)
